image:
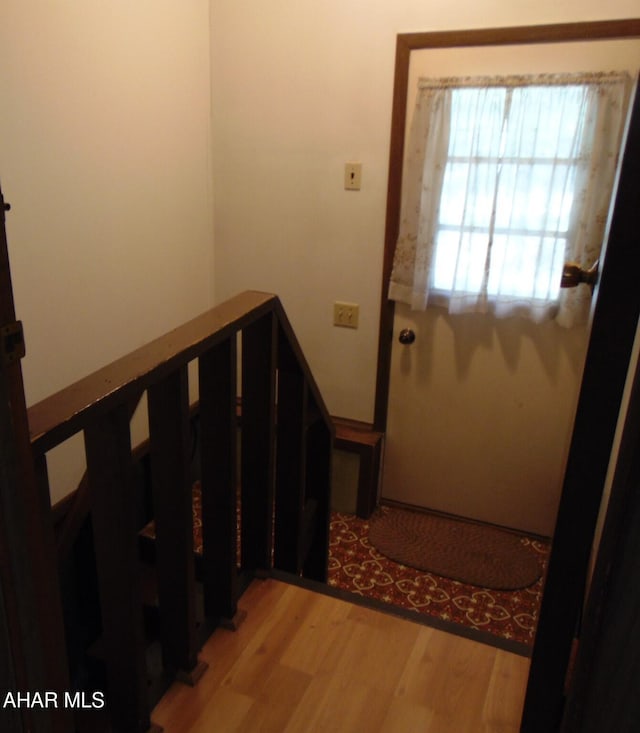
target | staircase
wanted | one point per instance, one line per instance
(265, 491)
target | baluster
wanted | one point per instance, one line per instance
(258, 415)
(172, 498)
(42, 480)
(290, 468)
(108, 451)
(318, 496)
(219, 434)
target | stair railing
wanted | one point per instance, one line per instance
(284, 465)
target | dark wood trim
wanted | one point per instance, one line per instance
(405, 43)
(518, 35)
(61, 415)
(66, 412)
(31, 610)
(12, 719)
(607, 662)
(392, 225)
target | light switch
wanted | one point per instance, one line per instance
(352, 176)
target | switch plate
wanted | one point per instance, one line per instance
(346, 314)
(352, 176)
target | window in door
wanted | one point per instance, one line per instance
(505, 180)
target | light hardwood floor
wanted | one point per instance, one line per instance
(302, 662)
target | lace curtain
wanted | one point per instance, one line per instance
(504, 180)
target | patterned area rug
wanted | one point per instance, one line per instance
(357, 567)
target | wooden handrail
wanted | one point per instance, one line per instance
(284, 482)
(58, 417)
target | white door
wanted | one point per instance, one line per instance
(480, 416)
(480, 410)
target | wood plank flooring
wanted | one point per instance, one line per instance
(303, 661)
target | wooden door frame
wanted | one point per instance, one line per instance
(608, 355)
(613, 331)
(606, 664)
(31, 619)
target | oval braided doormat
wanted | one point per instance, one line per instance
(472, 553)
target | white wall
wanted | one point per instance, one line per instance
(104, 147)
(104, 157)
(299, 89)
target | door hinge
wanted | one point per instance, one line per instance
(12, 345)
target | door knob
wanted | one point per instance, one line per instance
(573, 275)
(407, 336)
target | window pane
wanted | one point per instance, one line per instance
(509, 180)
(545, 121)
(535, 196)
(525, 173)
(526, 266)
(459, 261)
(476, 122)
(467, 194)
